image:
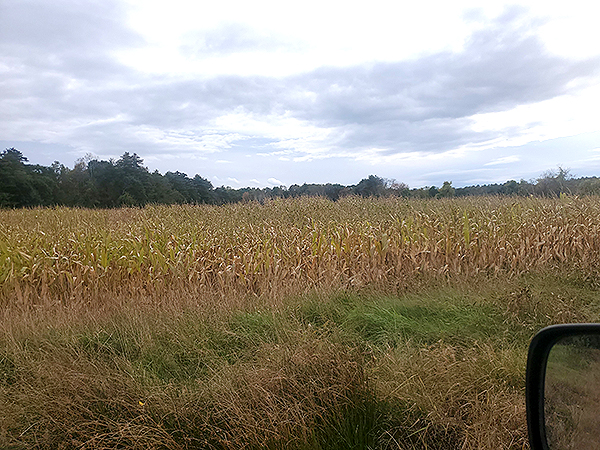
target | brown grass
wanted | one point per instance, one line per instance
(301, 324)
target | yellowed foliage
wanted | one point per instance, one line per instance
(286, 246)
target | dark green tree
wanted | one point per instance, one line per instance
(373, 186)
(76, 187)
(203, 190)
(16, 183)
(107, 185)
(161, 191)
(446, 190)
(133, 180)
(183, 185)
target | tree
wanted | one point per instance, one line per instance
(134, 178)
(45, 183)
(397, 188)
(553, 183)
(183, 185)
(372, 186)
(161, 191)
(510, 188)
(16, 181)
(433, 191)
(75, 186)
(446, 190)
(226, 194)
(106, 183)
(203, 190)
(590, 186)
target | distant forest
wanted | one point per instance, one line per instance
(95, 183)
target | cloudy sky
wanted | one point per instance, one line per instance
(263, 93)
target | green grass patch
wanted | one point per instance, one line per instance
(388, 321)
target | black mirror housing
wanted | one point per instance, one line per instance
(537, 360)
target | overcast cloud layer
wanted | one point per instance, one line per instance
(500, 106)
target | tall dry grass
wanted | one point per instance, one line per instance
(297, 324)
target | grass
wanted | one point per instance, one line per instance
(364, 324)
(386, 322)
(571, 394)
(434, 369)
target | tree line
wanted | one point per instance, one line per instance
(97, 183)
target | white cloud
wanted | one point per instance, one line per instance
(386, 88)
(504, 160)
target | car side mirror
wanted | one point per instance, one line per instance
(563, 388)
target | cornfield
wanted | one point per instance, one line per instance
(286, 247)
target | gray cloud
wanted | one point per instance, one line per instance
(232, 38)
(58, 62)
(425, 103)
(418, 105)
(68, 37)
(61, 84)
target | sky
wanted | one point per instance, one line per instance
(269, 93)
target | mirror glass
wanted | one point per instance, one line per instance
(572, 394)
